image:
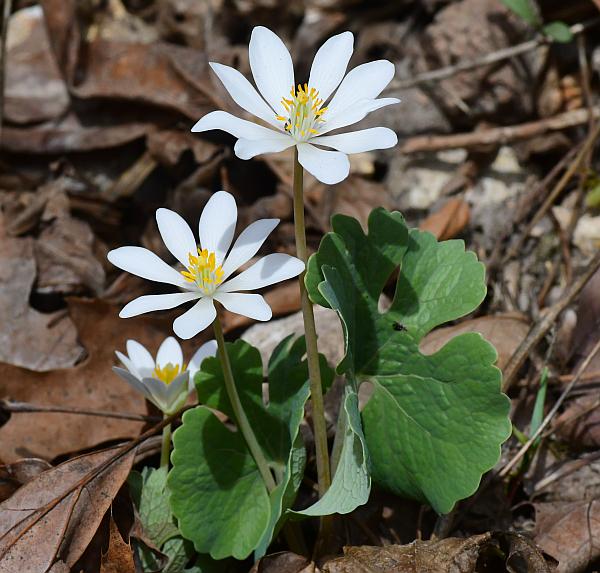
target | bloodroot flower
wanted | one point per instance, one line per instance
(301, 115)
(207, 268)
(166, 381)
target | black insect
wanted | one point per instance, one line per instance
(399, 327)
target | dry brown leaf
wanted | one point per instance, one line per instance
(284, 562)
(449, 221)
(569, 533)
(494, 552)
(504, 331)
(55, 515)
(90, 385)
(35, 89)
(13, 476)
(28, 338)
(119, 557)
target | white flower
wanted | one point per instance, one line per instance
(298, 114)
(166, 381)
(207, 267)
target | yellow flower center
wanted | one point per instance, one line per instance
(168, 372)
(203, 271)
(304, 112)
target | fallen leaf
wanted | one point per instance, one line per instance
(35, 89)
(494, 552)
(119, 557)
(449, 221)
(569, 532)
(90, 385)
(13, 476)
(284, 562)
(29, 338)
(55, 515)
(504, 331)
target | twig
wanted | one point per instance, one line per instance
(510, 465)
(24, 407)
(539, 329)
(7, 9)
(499, 135)
(559, 187)
(485, 60)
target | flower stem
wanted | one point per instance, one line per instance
(312, 353)
(240, 416)
(165, 450)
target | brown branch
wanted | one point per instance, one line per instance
(24, 407)
(539, 330)
(485, 60)
(499, 135)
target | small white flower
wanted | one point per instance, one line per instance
(300, 115)
(207, 267)
(166, 381)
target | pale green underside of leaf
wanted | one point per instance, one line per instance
(435, 423)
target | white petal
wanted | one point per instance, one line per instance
(176, 235)
(355, 113)
(128, 364)
(236, 126)
(271, 66)
(150, 302)
(271, 269)
(176, 393)
(359, 141)
(247, 244)
(139, 355)
(249, 148)
(169, 352)
(158, 392)
(144, 263)
(366, 81)
(327, 166)
(217, 224)
(207, 349)
(243, 93)
(330, 63)
(200, 316)
(250, 305)
(132, 381)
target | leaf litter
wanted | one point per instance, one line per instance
(98, 103)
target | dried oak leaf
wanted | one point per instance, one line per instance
(28, 338)
(489, 551)
(13, 476)
(119, 557)
(56, 515)
(89, 385)
(569, 532)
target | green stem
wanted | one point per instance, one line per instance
(240, 416)
(312, 353)
(165, 450)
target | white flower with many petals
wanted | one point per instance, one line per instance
(166, 381)
(301, 115)
(208, 267)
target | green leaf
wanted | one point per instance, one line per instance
(525, 9)
(558, 31)
(592, 198)
(217, 492)
(351, 483)
(434, 423)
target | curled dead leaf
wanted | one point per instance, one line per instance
(449, 221)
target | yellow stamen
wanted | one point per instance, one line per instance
(168, 372)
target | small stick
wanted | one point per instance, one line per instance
(485, 60)
(538, 330)
(24, 407)
(510, 465)
(499, 135)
